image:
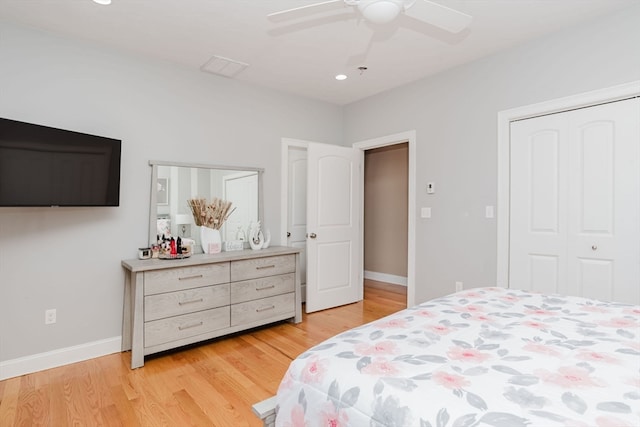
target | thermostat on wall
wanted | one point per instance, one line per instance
(431, 187)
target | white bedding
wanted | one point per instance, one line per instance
(486, 357)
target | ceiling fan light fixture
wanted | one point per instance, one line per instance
(380, 11)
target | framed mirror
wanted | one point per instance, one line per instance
(173, 184)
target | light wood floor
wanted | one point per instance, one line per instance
(212, 384)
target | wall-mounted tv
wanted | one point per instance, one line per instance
(44, 166)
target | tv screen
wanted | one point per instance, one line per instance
(44, 166)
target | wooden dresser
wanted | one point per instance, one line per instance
(171, 303)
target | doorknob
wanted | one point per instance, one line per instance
(594, 247)
(288, 234)
(313, 235)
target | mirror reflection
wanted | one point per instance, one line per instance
(176, 184)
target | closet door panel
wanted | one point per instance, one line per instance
(538, 235)
(603, 248)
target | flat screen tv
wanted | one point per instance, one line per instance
(44, 166)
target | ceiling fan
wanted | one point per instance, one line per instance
(385, 11)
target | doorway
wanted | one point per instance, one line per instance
(386, 195)
(409, 139)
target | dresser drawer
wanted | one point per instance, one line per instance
(266, 308)
(188, 325)
(260, 288)
(179, 278)
(261, 267)
(182, 302)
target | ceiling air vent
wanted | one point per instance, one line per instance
(223, 66)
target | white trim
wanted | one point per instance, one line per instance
(64, 356)
(586, 99)
(386, 278)
(410, 138)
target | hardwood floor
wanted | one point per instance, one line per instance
(211, 384)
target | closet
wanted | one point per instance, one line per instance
(575, 202)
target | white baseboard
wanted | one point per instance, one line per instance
(64, 356)
(384, 277)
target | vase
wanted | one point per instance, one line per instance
(210, 240)
(256, 239)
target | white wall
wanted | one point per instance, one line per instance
(69, 258)
(455, 116)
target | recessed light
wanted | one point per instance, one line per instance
(105, 2)
(341, 77)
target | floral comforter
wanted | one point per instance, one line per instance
(486, 357)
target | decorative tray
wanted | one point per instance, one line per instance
(176, 256)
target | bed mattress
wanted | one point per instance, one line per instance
(484, 357)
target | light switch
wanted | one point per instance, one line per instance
(488, 211)
(425, 212)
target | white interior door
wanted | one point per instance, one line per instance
(297, 208)
(333, 226)
(242, 190)
(575, 202)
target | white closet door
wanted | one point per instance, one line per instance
(604, 202)
(575, 202)
(538, 232)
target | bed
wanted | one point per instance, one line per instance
(484, 357)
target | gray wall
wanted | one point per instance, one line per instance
(386, 197)
(455, 115)
(69, 258)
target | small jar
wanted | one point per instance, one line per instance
(144, 253)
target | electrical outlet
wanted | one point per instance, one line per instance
(50, 316)
(458, 286)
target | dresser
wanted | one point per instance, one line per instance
(171, 303)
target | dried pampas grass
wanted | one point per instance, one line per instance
(212, 214)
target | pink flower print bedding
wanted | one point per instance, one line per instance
(487, 357)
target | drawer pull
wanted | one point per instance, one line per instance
(197, 276)
(193, 301)
(264, 267)
(260, 310)
(265, 288)
(192, 325)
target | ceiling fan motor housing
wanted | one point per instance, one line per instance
(385, 11)
(380, 11)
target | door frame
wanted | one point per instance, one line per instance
(572, 102)
(408, 137)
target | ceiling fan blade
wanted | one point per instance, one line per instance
(303, 11)
(441, 16)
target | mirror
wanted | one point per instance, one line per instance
(173, 184)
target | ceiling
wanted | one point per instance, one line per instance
(302, 56)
